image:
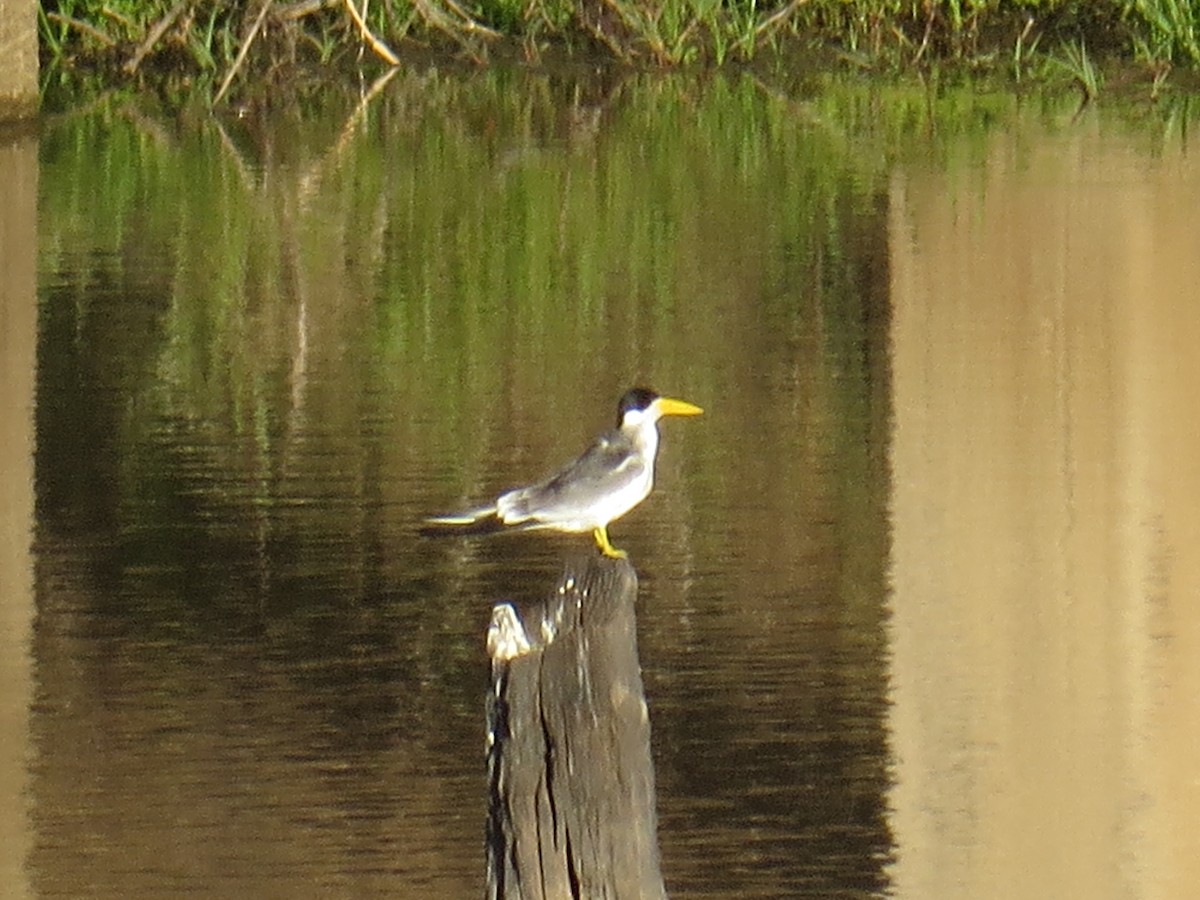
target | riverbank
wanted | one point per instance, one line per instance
(228, 50)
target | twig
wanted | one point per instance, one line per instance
(303, 8)
(470, 24)
(124, 21)
(437, 18)
(243, 51)
(925, 39)
(380, 48)
(90, 30)
(776, 18)
(633, 19)
(352, 122)
(156, 33)
(594, 23)
(239, 162)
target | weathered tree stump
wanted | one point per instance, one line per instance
(572, 806)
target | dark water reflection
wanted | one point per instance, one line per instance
(252, 676)
(263, 353)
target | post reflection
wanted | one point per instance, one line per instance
(18, 337)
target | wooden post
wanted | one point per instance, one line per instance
(572, 806)
(18, 59)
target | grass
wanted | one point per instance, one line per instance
(1168, 31)
(242, 45)
(1074, 60)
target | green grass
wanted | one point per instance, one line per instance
(124, 39)
(1074, 60)
(1167, 31)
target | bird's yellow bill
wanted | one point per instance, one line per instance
(669, 407)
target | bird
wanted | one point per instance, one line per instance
(609, 479)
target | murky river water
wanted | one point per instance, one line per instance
(918, 610)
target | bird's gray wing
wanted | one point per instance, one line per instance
(603, 468)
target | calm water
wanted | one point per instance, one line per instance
(918, 592)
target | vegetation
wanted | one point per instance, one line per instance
(223, 45)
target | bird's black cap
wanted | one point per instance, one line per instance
(638, 398)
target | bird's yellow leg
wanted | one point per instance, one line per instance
(601, 535)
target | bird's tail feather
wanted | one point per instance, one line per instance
(480, 520)
(466, 517)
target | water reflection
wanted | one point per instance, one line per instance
(1045, 527)
(264, 357)
(249, 399)
(18, 320)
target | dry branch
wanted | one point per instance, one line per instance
(90, 30)
(777, 18)
(155, 35)
(292, 11)
(243, 50)
(381, 49)
(459, 26)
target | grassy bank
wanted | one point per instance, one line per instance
(228, 45)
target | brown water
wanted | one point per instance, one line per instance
(916, 591)
(1045, 665)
